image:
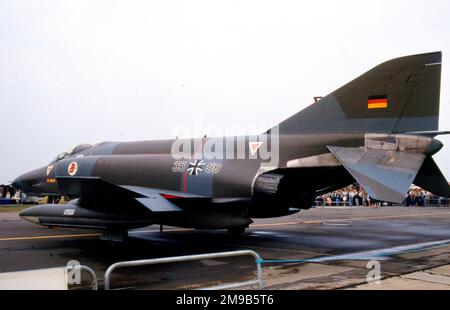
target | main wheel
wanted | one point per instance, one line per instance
(236, 231)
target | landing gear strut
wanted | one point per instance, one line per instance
(114, 235)
(236, 231)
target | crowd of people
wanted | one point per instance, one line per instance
(9, 192)
(355, 195)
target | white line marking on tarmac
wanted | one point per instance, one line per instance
(387, 216)
(382, 254)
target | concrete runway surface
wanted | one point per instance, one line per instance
(411, 243)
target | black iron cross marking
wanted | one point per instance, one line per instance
(195, 167)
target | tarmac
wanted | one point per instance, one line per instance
(321, 248)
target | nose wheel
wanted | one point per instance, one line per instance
(236, 231)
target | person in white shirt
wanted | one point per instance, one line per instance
(17, 197)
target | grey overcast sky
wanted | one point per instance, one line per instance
(90, 71)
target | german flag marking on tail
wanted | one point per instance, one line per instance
(377, 102)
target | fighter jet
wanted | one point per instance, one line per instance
(378, 130)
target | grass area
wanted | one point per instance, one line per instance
(13, 208)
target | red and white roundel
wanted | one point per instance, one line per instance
(72, 168)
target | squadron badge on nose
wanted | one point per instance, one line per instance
(72, 168)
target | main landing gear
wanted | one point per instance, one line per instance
(236, 231)
(114, 235)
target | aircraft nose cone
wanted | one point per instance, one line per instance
(30, 182)
(22, 183)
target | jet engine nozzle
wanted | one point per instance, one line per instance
(435, 146)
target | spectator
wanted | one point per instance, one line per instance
(17, 196)
(355, 195)
(351, 195)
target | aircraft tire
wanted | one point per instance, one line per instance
(236, 231)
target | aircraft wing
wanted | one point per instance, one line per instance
(98, 194)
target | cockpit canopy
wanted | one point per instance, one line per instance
(76, 150)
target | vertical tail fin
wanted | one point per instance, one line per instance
(400, 95)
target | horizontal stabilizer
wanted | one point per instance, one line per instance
(431, 179)
(385, 175)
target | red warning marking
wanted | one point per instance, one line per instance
(168, 196)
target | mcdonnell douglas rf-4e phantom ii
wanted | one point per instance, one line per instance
(377, 130)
